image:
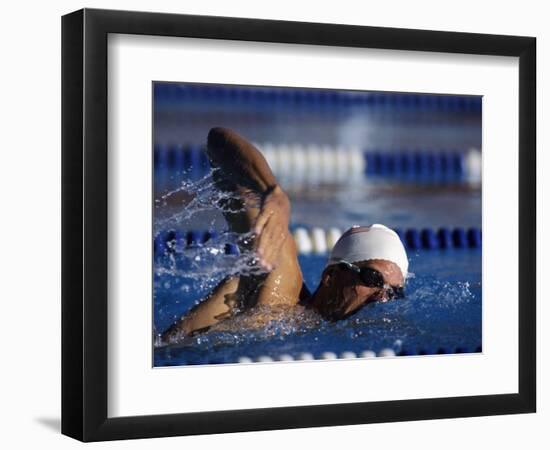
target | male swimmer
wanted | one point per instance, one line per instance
(366, 264)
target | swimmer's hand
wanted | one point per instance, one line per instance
(271, 227)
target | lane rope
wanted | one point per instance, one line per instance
(319, 241)
(330, 355)
(383, 353)
(173, 94)
(312, 163)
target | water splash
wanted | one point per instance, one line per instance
(175, 208)
(181, 268)
(258, 324)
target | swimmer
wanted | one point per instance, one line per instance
(367, 263)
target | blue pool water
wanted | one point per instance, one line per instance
(440, 313)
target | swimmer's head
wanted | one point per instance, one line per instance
(370, 242)
(367, 263)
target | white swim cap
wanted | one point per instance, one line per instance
(370, 242)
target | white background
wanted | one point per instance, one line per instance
(135, 389)
(30, 233)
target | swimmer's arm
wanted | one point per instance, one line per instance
(243, 166)
(216, 306)
(234, 292)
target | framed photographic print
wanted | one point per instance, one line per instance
(273, 224)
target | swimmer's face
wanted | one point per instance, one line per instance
(343, 291)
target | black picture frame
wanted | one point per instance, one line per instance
(84, 224)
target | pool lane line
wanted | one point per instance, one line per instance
(319, 241)
(329, 355)
(310, 164)
(315, 163)
(175, 95)
(385, 352)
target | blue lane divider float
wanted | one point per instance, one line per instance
(417, 163)
(190, 159)
(312, 163)
(175, 94)
(317, 240)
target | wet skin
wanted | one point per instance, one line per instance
(341, 292)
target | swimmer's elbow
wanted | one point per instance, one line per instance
(173, 333)
(178, 330)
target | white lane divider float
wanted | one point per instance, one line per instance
(264, 358)
(347, 355)
(303, 241)
(316, 239)
(319, 240)
(312, 164)
(244, 360)
(473, 166)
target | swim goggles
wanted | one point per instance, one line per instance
(373, 278)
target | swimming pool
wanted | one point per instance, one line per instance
(425, 191)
